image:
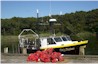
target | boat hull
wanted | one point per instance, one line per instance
(81, 43)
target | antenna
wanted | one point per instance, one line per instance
(50, 15)
(37, 13)
(61, 22)
(50, 10)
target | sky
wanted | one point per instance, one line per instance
(25, 9)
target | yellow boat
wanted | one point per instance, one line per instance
(61, 43)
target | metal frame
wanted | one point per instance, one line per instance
(20, 35)
(27, 30)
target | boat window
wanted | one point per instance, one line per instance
(50, 41)
(68, 38)
(64, 39)
(58, 39)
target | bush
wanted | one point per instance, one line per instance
(91, 48)
(84, 35)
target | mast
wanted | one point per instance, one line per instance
(37, 22)
(61, 22)
(37, 14)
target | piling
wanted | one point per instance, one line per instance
(24, 51)
(6, 50)
(82, 50)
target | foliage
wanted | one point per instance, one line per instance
(70, 23)
(84, 35)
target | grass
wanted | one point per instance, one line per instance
(49, 34)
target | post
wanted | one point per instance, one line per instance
(6, 50)
(18, 49)
(51, 24)
(24, 51)
(82, 50)
(51, 28)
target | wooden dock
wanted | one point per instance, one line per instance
(21, 58)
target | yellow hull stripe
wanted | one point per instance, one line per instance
(68, 45)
